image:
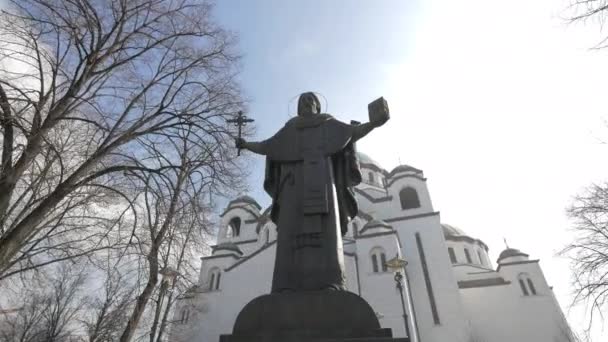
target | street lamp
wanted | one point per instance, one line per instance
(397, 265)
(168, 277)
(169, 274)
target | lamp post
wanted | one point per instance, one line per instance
(168, 276)
(397, 265)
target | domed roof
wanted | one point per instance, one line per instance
(511, 252)
(365, 159)
(227, 246)
(246, 199)
(456, 234)
(375, 223)
(449, 230)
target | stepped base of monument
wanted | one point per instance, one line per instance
(312, 316)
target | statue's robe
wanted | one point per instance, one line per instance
(311, 167)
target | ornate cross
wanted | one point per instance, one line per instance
(240, 121)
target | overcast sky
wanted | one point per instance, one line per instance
(501, 103)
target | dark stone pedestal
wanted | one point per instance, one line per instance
(316, 316)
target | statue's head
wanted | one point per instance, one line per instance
(308, 104)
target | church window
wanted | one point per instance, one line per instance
(267, 236)
(371, 178)
(378, 258)
(526, 285)
(185, 316)
(481, 259)
(234, 227)
(452, 255)
(383, 261)
(214, 279)
(523, 287)
(409, 198)
(375, 263)
(468, 256)
(355, 228)
(531, 286)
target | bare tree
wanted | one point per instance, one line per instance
(107, 313)
(588, 251)
(92, 92)
(589, 11)
(49, 312)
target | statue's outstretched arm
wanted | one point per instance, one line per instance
(259, 147)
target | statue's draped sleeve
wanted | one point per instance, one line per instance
(283, 147)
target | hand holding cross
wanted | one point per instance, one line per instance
(240, 121)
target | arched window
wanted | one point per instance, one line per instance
(214, 279)
(526, 284)
(409, 198)
(371, 178)
(468, 256)
(452, 255)
(185, 316)
(378, 258)
(355, 228)
(481, 259)
(234, 227)
(265, 236)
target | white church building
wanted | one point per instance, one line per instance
(453, 292)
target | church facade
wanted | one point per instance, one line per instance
(452, 290)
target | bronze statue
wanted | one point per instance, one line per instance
(311, 169)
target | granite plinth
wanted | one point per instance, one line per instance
(312, 316)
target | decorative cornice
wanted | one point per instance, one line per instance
(372, 199)
(359, 237)
(411, 217)
(245, 241)
(393, 180)
(467, 284)
(249, 256)
(465, 238)
(230, 208)
(219, 256)
(517, 263)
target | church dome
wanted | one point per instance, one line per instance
(227, 246)
(511, 254)
(367, 162)
(455, 234)
(365, 159)
(449, 230)
(376, 224)
(246, 199)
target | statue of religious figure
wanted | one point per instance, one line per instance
(311, 169)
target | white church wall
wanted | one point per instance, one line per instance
(379, 288)
(351, 262)
(449, 322)
(503, 314)
(241, 284)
